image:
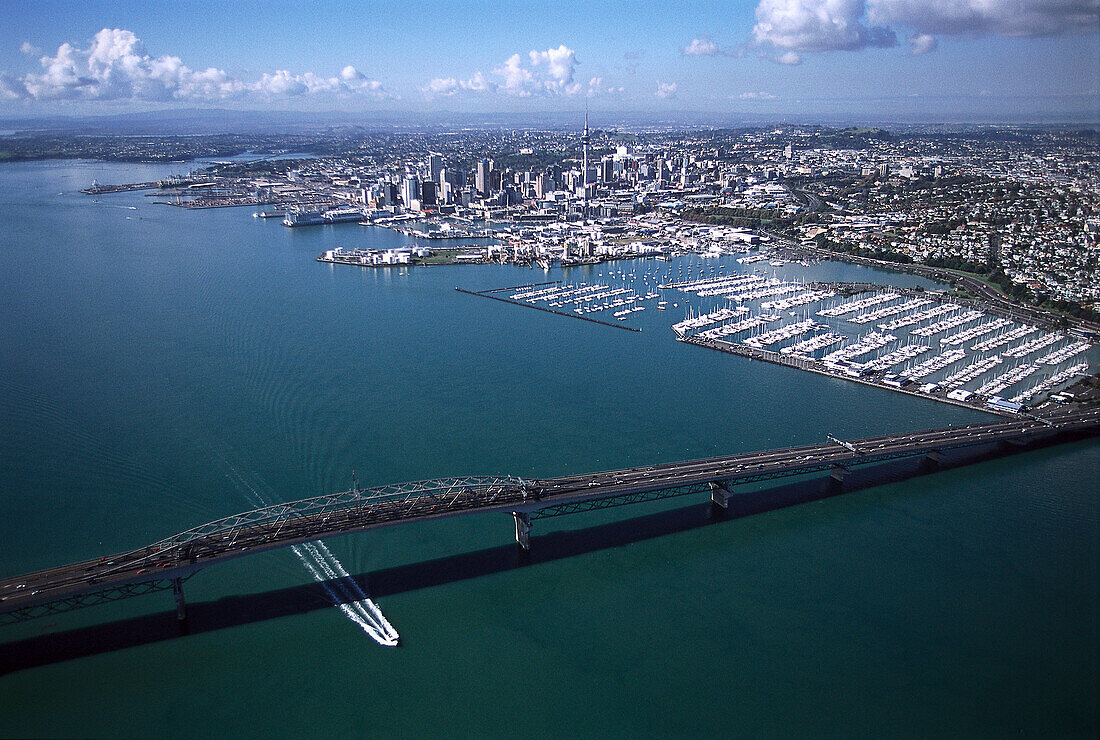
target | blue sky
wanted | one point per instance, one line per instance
(932, 59)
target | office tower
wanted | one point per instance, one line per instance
(482, 180)
(410, 190)
(427, 193)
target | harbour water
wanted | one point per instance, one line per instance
(162, 367)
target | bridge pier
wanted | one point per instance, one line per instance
(523, 529)
(932, 459)
(719, 495)
(181, 606)
(836, 478)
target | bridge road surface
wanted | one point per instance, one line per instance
(183, 556)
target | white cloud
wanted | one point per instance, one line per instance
(989, 17)
(116, 66)
(665, 89)
(922, 43)
(818, 25)
(789, 58)
(560, 64)
(849, 25)
(443, 86)
(11, 87)
(596, 87)
(353, 79)
(518, 80)
(282, 84)
(756, 96)
(550, 73)
(30, 49)
(477, 83)
(702, 47)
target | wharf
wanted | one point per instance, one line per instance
(813, 366)
(126, 188)
(489, 294)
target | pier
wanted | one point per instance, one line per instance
(165, 565)
(819, 367)
(506, 299)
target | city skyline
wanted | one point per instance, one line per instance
(903, 59)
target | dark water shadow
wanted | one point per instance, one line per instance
(236, 611)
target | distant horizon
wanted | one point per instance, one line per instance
(162, 119)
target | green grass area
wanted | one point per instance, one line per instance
(441, 257)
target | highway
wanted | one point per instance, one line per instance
(160, 564)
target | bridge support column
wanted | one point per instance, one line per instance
(719, 495)
(836, 478)
(523, 529)
(181, 606)
(933, 458)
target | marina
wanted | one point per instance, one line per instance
(894, 356)
(748, 309)
(752, 322)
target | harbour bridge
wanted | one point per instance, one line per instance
(166, 564)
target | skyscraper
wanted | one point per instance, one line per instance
(427, 194)
(435, 165)
(410, 190)
(482, 179)
(607, 169)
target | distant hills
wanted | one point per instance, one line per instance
(204, 121)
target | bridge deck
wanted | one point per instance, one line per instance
(282, 525)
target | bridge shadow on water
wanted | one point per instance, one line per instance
(236, 611)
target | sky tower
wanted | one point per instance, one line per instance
(584, 171)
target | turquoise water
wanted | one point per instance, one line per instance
(161, 368)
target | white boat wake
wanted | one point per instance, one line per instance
(344, 591)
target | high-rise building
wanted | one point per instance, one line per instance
(435, 166)
(410, 190)
(482, 180)
(389, 195)
(427, 194)
(607, 169)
